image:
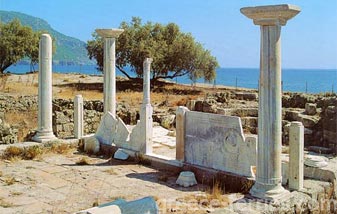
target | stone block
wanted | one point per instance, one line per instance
(91, 144)
(68, 127)
(246, 96)
(310, 108)
(217, 141)
(291, 115)
(186, 179)
(106, 129)
(308, 121)
(121, 155)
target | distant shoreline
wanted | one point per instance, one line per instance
(294, 80)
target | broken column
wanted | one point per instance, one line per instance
(146, 108)
(268, 176)
(296, 156)
(109, 90)
(78, 116)
(45, 124)
(180, 132)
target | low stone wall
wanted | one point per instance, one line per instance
(318, 114)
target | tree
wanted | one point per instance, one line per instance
(174, 53)
(16, 42)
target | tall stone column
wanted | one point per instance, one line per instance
(146, 108)
(45, 119)
(109, 64)
(268, 175)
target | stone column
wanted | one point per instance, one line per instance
(109, 85)
(180, 132)
(296, 156)
(78, 116)
(45, 119)
(268, 176)
(146, 108)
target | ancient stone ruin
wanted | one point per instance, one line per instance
(208, 146)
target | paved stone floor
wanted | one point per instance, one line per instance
(56, 184)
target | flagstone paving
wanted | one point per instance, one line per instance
(56, 184)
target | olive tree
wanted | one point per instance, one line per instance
(17, 42)
(174, 53)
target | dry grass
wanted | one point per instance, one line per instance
(213, 198)
(60, 148)
(110, 172)
(1, 173)
(13, 153)
(16, 193)
(5, 204)
(83, 161)
(9, 180)
(25, 121)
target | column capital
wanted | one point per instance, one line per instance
(271, 14)
(109, 33)
(147, 61)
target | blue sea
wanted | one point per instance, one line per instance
(294, 80)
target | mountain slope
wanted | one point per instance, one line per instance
(68, 49)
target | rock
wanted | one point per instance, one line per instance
(310, 108)
(120, 154)
(186, 179)
(8, 134)
(91, 144)
(246, 96)
(209, 106)
(291, 115)
(222, 97)
(247, 112)
(320, 150)
(308, 121)
(297, 100)
(191, 104)
(198, 105)
(315, 161)
(168, 121)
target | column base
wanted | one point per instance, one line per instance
(44, 136)
(269, 193)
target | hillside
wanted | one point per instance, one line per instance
(69, 50)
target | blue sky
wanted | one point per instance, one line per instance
(308, 41)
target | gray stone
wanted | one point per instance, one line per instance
(217, 142)
(186, 179)
(308, 121)
(105, 132)
(310, 108)
(315, 161)
(145, 205)
(246, 95)
(167, 121)
(121, 155)
(91, 144)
